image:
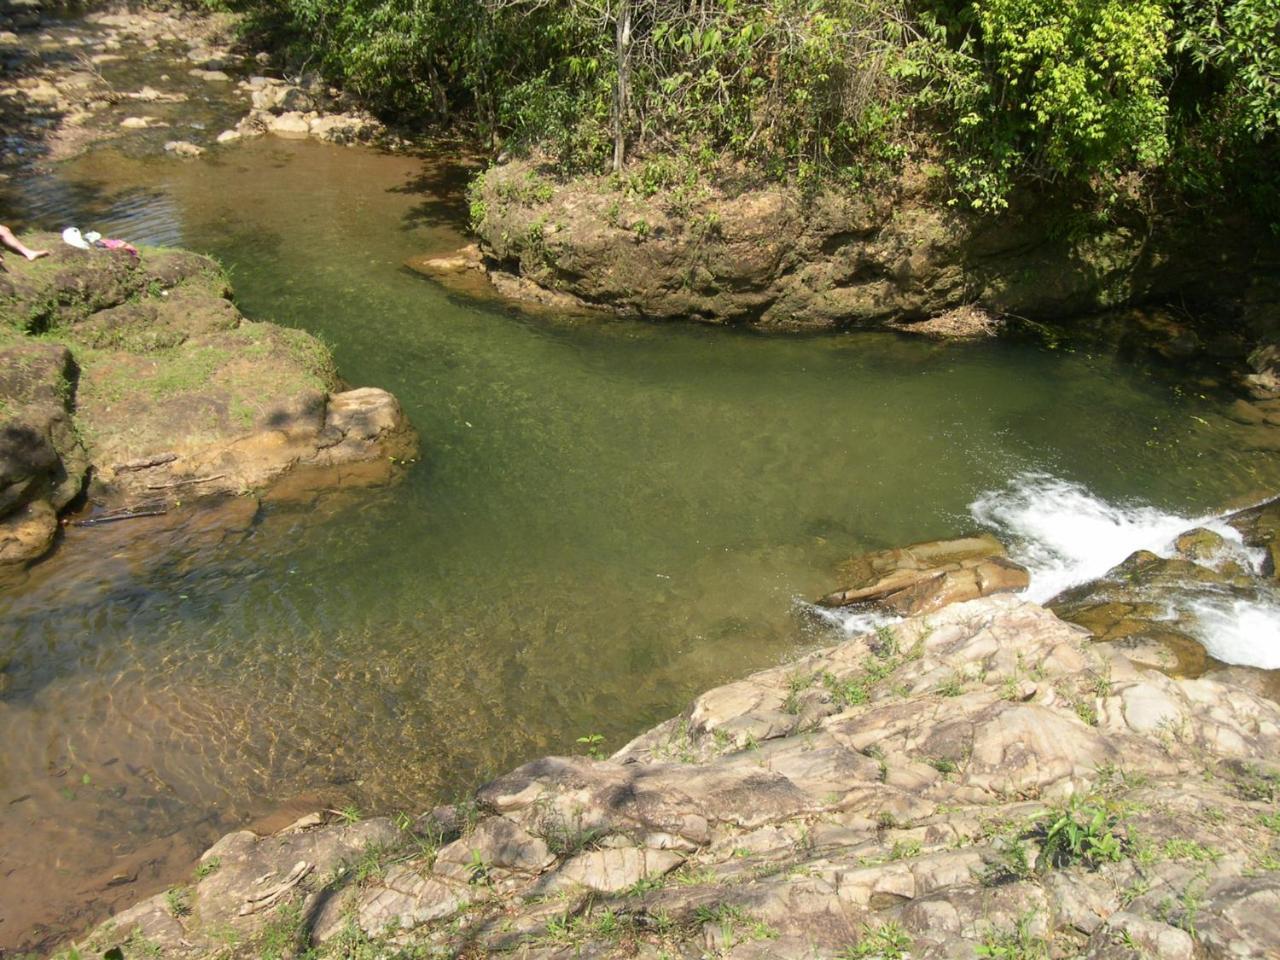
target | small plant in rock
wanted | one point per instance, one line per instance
(886, 644)
(943, 765)
(208, 868)
(592, 742)
(1017, 944)
(1010, 863)
(477, 868)
(1086, 712)
(846, 693)
(953, 687)
(1253, 783)
(178, 900)
(284, 936)
(1080, 831)
(349, 814)
(888, 941)
(1183, 848)
(905, 850)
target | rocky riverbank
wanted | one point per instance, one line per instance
(130, 385)
(70, 79)
(977, 779)
(981, 778)
(1178, 285)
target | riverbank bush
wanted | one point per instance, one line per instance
(1107, 98)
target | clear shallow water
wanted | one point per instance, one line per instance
(607, 518)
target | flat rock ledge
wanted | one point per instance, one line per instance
(135, 385)
(979, 779)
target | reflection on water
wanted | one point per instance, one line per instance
(607, 517)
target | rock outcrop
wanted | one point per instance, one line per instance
(296, 111)
(927, 576)
(138, 382)
(977, 780)
(897, 258)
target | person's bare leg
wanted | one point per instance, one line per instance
(16, 245)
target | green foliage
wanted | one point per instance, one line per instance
(208, 868)
(593, 743)
(178, 901)
(1017, 944)
(1058, 88)
(1080, 831)
(1107, 99)
(888, 941)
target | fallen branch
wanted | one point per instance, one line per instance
(183, 483)
(146, 463)
(116, 517)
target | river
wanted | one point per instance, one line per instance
(606, 518)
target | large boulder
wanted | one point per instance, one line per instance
(776, 257)
(42, 461)
(928, 576)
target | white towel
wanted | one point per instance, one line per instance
(71, 237)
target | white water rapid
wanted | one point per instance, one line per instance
(1066, 536)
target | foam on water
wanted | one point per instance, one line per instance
(1240, 631)
(1066, 536)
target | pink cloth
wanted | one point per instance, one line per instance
(111, 244)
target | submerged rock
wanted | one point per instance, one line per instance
(928, 576)
(1141, 605)
(785, 816)
(148, 385)
(183, 148)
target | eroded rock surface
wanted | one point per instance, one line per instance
(898, 258)
(928, 576)
(884, 797)
(148, 386)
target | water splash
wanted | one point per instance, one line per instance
(848, 621)
(1066, 536)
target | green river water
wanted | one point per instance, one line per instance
(606, 518)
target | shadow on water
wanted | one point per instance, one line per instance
(439, 192)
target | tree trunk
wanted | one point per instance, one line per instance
(622, 91)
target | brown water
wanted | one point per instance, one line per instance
(607, 518)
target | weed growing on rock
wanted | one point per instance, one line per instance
(943, 765)
(1011, 862)
(349, 814)
(846, 693)
(1017, 944)
(888, 941)
(886, 644)
(905, 850)
(1080, 831)
(953, 687)
(178, 901)
(285, 935)
(736, 925)
(208, 868)
(565, 836)
(1181, 848)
